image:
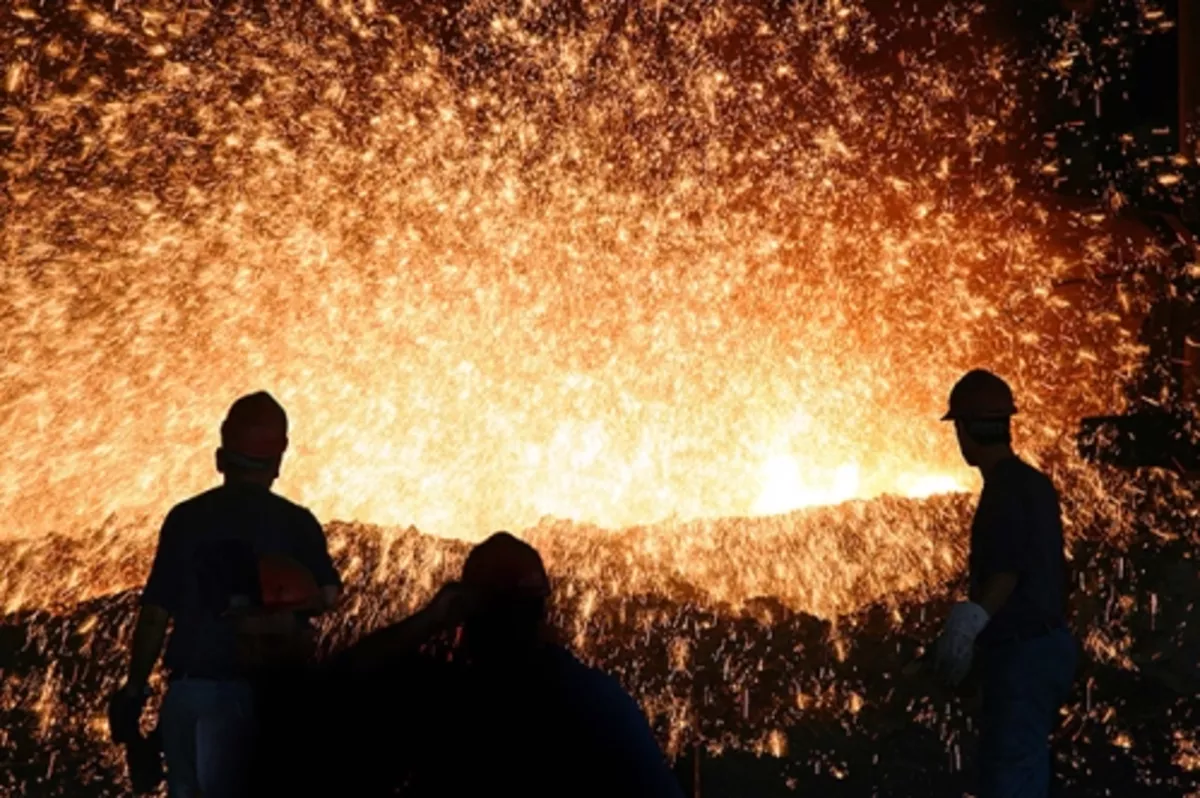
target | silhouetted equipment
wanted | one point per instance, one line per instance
(1160, 428)
(687, 769)
(1157, 425)
(1188, 28)
(1141, 440)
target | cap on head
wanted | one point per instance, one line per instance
(504, 566)
(980, 395)
(285, 584)
(254, 433)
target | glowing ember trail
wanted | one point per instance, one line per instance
(644, 280)
(587, 268)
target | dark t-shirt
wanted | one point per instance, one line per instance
(1018, 528)
(554, 727)
(207, 550)
(558, 728)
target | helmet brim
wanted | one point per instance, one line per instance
(957, 416)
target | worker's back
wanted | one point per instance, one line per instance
(469, 696)
(550, 728)
(1018, 527)
(208, 552)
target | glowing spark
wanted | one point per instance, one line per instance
(13, 77)
(591, 276)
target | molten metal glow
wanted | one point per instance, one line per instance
(610, 261)
(590, 268)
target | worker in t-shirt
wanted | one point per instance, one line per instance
(239, 571)
(1012, 629)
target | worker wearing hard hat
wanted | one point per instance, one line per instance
(1012, 628)
(513, 712)
(238, 570)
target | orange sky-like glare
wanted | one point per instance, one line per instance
(603, 273)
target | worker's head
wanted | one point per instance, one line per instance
(512, 588)
(253, 440)
(981, 407)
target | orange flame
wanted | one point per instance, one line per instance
(586, 276)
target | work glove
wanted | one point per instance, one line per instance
(125, 715)
(956, 646)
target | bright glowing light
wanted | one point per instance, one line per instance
(651, 267)
(922, 487)
(558, 268)
(787, 487)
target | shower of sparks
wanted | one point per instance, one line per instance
(635, 265)
(581, 264)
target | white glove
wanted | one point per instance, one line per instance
(956, 646)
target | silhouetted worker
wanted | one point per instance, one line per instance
(1013, 627)
(511, 712)
(238, 570)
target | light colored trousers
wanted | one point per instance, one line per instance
(208, 730)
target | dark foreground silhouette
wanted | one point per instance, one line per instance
(470, 695)
(848, 723)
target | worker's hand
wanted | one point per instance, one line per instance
(125, 714)
(956, 647)
(452, 604)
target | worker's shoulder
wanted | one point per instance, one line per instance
(1018, 474)
(295, 514)
(226, 499)
(1036, 478)
(1019, 482)
(192, 506)
(287, 504)
(592, 689)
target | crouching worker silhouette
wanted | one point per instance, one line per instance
(503, 710)
(237, 571)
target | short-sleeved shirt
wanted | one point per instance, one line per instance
(1018, 529)
(217, 537)
(558, 727)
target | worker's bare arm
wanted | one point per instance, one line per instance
(148, 636)
(445, 611)
(996, 590)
